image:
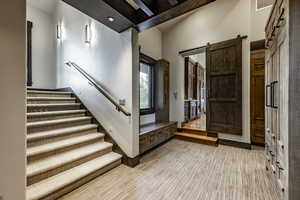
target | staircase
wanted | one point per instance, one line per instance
(64, 148)
(197, 136)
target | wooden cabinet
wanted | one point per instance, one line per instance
(155, 134)
(276, 92)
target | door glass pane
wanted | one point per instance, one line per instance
(145, 86)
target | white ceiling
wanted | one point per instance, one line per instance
(47, 6)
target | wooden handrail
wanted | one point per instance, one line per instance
(93, 82)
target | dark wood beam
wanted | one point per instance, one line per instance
(100, 11)
(144, 7)
(173, 2)
(181, 9)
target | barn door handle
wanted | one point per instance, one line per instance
(207, 94)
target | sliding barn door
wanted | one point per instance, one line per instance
(224, 87)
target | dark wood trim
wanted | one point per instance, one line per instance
(151, 61)
(29, 53)
(147, 59)
(131, 162)
(176, 11)
(235, 144)
(193, 50)
(101, 10)
(212, 134)
(294, 101)
(258, 45)
(54, 89)
(197, 50)
(145, 8)
(258, 144)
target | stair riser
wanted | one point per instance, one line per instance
(39, 177)
(200, 141)
(53, 117)
(52, 108)
(59, 138)
(48, 95)
(57, 126)
(56, 151)
(73, 186)
(203, 133)
(50, 101)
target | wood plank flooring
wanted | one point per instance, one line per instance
(199, 124)
(181, 170)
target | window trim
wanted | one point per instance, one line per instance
(152, 62)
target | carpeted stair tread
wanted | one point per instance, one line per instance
(55, 183)
(59, 132)
(57, 160)
(53, 105)
(57, 121)
(36, 150)
(54, 113)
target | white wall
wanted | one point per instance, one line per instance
(12, 101)
(43, 48)
(218, 21)
(151, 45)
(109, 58)
(258, 21)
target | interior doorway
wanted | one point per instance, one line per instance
(195, 92)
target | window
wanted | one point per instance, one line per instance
(146, 86)
(261, 4)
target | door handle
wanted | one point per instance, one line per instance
(268, 87)
(274, 104)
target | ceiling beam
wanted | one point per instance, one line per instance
(173, 2)
(174, 12)
(144, 7)
(101, 11)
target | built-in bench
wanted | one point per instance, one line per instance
(154, 134)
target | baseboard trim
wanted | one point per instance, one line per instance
(242, 145)
(131, 162)
(47, 89)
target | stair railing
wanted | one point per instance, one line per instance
(93, 82)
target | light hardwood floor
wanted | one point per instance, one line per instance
(181, 170)
(197, 123)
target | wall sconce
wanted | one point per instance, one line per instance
(87, 34)
(58, 32)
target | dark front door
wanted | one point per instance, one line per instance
(258, 97)
(224, 87)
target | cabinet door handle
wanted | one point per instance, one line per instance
(272, 94)
(275, 92)
(268, 87)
